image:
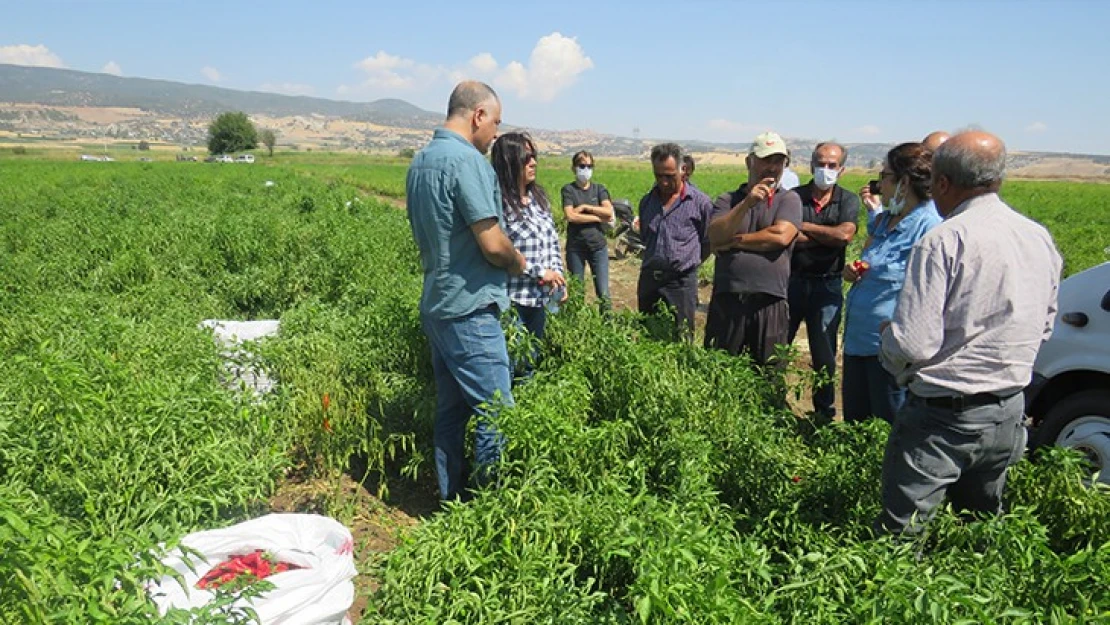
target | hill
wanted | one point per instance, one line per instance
(67, 107)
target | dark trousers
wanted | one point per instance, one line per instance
(819, 301)
(679, 291)
(935, 451)
(534, 320)
(752, 322)
(869, 390)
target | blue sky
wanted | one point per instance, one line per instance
(1030, 71)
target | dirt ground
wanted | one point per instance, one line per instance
(378, 525)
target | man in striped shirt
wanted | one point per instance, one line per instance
(978, 302)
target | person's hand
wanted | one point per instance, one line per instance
(636, 223)
(553, 279)
(733, 243)
(871, 201)
(850, 274)
(854, 271)
(760, 192)
(566, 294)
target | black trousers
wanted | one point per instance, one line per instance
(751, 322)
(679, 291)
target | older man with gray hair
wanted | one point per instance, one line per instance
(978, 301)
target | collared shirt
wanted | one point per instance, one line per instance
(979, 299)
(871, 300)
(533, 233)
(676, 239)
(449, 187)
(745, 272)
(817, 259)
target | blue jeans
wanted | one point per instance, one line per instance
(534, 320)
(869, 390)
(599, 266)
(471, 366)
(819, 301)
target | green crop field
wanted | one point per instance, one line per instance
(644, 481)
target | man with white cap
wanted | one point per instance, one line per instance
(752, 233)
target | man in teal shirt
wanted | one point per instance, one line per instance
(454, 209)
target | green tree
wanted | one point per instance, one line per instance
(268, 139)
(231, 132)
(143, 145)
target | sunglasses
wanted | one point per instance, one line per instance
(583, 166)
(529, 156)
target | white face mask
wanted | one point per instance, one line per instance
(896, 204)
(583, 174)
(825, 177)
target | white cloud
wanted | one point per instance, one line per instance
(1036, 127)
(869, 130)
(33, 56)
(113, 68)
(483, 63)
(390, 72)
(287, 88)
(211, 73)
(554, 65)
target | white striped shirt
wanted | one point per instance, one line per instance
(978, 301)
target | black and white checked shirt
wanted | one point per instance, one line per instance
(533, 233)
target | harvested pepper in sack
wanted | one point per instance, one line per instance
(242, 570)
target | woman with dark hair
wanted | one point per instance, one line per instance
(589, 210)
(876, 279)
(527, 218)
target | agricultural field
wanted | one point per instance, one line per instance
(644, 481)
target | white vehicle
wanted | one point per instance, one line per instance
(245, 158)
(1069, 398)
(224, 158)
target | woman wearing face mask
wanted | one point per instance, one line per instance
(868, 389)
(528, 223)
(588, 208)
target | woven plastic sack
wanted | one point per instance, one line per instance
(319, 593)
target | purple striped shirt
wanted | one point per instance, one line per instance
(676, 239)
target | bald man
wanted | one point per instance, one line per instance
(454, 209)
(978, 301)
(934, 139)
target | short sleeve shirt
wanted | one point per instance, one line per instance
(451, 186)
(585, 237)
(741, 271)
(817, 259)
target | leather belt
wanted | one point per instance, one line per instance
(960, 403)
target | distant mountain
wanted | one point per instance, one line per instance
(64, 87)
(61, 105)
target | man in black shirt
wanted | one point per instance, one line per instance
(829, 217)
